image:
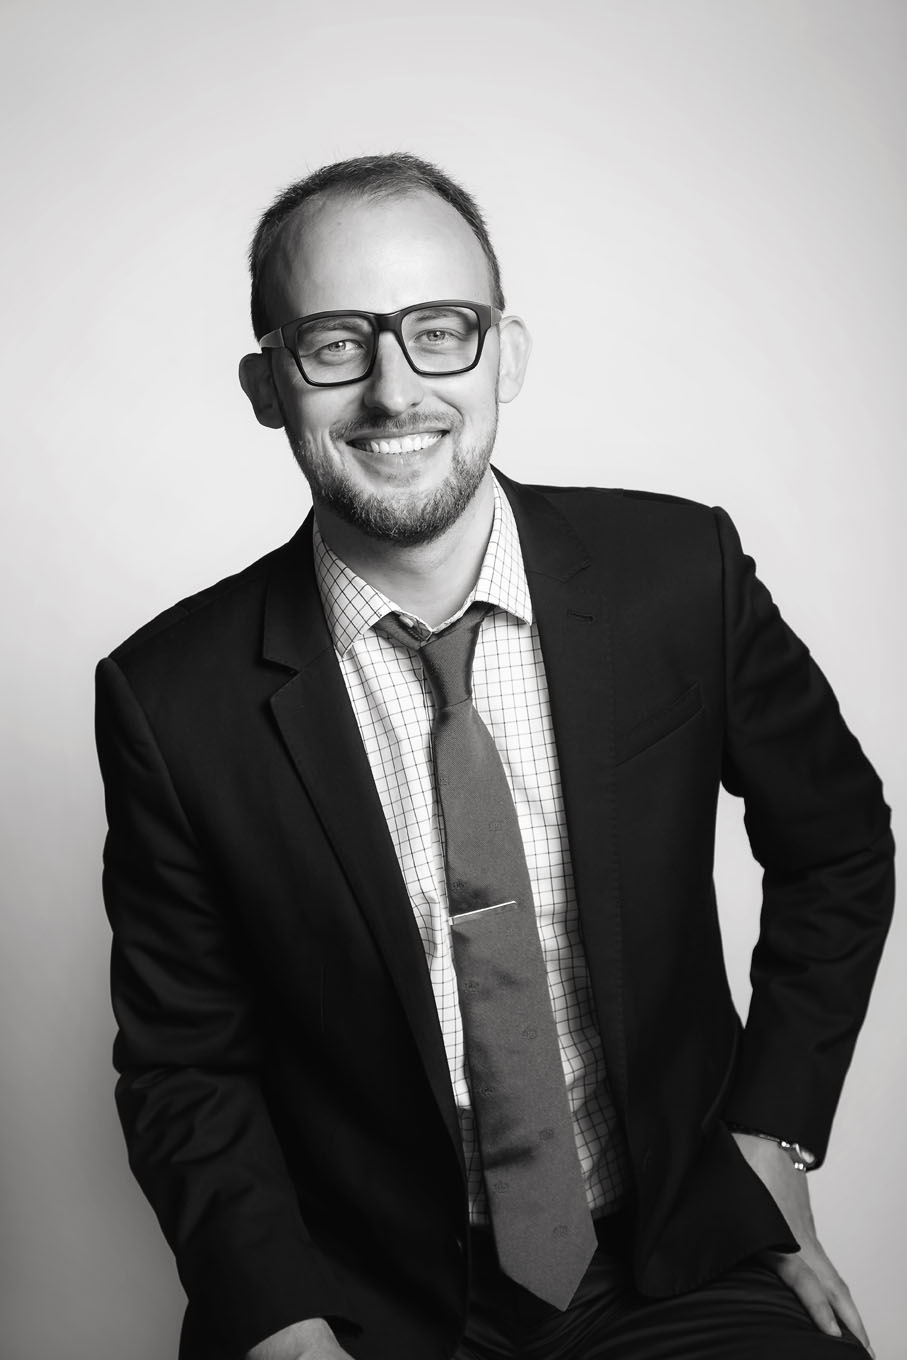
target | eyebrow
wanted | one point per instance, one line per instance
(329, 324)
(438, 313)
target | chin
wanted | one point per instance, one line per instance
(407, 517)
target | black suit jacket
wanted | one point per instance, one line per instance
(284, 1090)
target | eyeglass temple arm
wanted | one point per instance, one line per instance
(273, 340)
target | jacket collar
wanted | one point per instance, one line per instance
(295, 632)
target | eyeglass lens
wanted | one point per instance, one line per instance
(340, 348)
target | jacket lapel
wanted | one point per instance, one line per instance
(571, 609)
(318, 725)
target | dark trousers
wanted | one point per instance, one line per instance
(747, 1314)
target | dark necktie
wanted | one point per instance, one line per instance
(542, 1226)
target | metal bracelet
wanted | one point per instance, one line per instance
(801, 1158)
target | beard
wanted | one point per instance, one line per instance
(403, 518)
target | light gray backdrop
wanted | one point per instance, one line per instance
(700, 209)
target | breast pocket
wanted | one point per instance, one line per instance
(660, 723)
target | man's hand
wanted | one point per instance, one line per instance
(309, 1340)
(808, 1272)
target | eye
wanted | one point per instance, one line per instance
(431, 329)
(346, 349)
(341, 347)
(437, 336)
(333, 339)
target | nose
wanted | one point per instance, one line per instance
(392, 386)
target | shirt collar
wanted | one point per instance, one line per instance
(352, 606)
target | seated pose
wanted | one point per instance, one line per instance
(426, 1046)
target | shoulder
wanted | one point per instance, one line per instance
(620, 524)
(197, 625)
(617, 505)
(602, 502)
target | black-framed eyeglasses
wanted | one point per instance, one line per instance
(438, 338)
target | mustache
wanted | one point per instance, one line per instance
(383, 427)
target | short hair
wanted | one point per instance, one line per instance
(387, 176)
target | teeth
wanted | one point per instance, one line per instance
(411, 443)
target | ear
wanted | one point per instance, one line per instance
(515, 344)
(257, 381)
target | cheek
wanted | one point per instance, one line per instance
(473, 396)
(316, 413)
(479, 406)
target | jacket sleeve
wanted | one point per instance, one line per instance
(819, 827)
(197, 1128)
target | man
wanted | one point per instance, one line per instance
(428, 796)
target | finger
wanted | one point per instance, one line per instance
(846, 1309)
(805, 1283)
(840, 1297)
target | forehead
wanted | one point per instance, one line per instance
(376, 255)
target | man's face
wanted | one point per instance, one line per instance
(437, 432)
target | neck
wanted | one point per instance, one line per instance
(430, 580)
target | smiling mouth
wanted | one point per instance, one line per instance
(409, 443)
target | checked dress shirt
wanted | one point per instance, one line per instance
(393, 706)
